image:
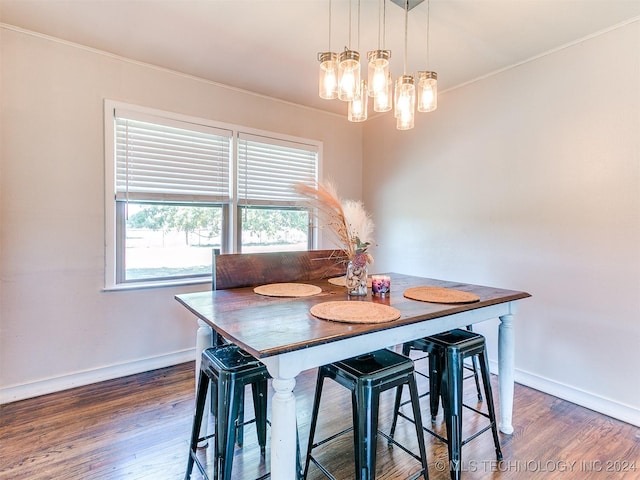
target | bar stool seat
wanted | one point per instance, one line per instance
(447, 352)
(367, 376)
(229, 369)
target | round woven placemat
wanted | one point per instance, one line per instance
(355, 312)
(287, 290)
(342, 282)
(440, 295)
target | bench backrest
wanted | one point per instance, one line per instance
(252, 269)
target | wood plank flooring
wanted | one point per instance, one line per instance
(137, 428)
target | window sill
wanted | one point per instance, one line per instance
(158, 284)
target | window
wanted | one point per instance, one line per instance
(270, 212)
(179, 187)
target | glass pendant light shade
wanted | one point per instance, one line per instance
(378, 71)
(328, 79)
(427, 91)
(383, 101)
(405, 102)
(405, 123)
(348, 75)
(359, 105)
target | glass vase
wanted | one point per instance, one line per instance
(356, 280)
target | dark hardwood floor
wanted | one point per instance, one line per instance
(137, 428)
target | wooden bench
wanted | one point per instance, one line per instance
(236, 270)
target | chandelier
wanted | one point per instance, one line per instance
(340, 75)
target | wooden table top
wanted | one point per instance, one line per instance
(266, 326)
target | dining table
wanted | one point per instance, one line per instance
(283, 334)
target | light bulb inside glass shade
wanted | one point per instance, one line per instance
(383, 101)
(405, 96)
(427, 91)
(379, 80)
(358, 106)
(378, 71)
(405, 121)
(347, 85)
(348, 75)
(405, 101)
(328, 79)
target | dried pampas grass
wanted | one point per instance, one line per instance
(347, 219)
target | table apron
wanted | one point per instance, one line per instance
(290, 364)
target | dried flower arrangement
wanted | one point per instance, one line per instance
(347, 219)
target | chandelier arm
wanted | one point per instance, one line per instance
(350, 5)
(358, 41)
(379, 21)
(329, 26)
(428, 16)
(406, 35)
(384, 24)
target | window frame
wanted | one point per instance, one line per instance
(231, 234)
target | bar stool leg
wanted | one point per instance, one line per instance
(366, 404)
(435, 381)
(201, 398)
(415, 403)
(452, 402)
(314, 418)
(259, 390)
(474, 362)
(406, 350)
(240, 421)
(396, 409)
(486, 379)
(226, 425)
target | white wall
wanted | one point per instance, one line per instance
(530, 180)
(57, 327)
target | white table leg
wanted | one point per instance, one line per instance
(204, 340)
(283, 430)
(506, 368)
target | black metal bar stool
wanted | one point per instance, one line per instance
(367, 376)
(229, 369)
(423, 346)
(447, 352)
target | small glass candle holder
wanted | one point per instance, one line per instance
(380, 284)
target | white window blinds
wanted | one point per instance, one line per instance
(269, 168)
(159, 159)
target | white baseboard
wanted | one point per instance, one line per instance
(606, 406)
(64, 382)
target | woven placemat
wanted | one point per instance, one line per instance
(287, 290)
(440, 295)
(355, 312)
(342, 281)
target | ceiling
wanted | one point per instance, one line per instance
(270, 46)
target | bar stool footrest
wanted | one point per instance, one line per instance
(390, 440)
